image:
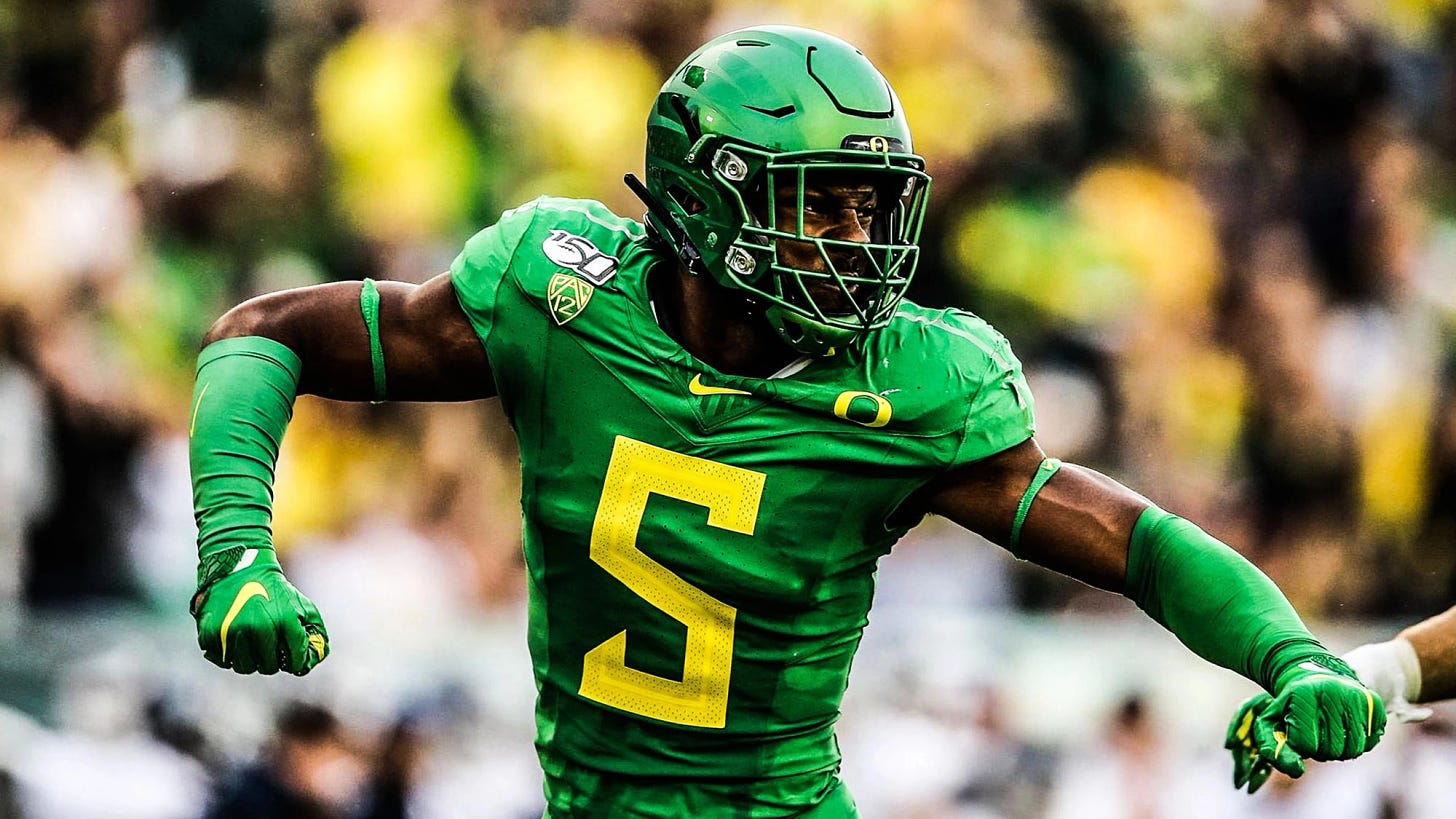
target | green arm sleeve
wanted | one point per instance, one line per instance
(1219, 604)
(241, 403)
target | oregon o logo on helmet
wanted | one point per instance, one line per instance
(851, 406)
(872, 142)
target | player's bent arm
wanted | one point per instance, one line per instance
(348, 341)
(430, 350)
(1094, 529)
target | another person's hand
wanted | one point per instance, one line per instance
(1389, 668)
(253, 620)
(1322, 711)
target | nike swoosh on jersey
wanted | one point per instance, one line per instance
(249, 590)
(697, 387)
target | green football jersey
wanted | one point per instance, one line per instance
(701, 546)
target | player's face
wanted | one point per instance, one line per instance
(834, 208)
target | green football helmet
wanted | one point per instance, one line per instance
(759, 114)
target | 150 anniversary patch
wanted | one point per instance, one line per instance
(580, 256)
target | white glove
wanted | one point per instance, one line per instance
(1392, 670)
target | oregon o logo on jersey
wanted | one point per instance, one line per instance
(863, 408)
(579, 255)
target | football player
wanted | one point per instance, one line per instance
(1418, 666)
(727, 413)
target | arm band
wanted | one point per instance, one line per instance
(1044, 473)
(241, 403)
(369, 306)
(1216, 602)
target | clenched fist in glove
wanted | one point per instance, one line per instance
(1321, 711)
(251, 619)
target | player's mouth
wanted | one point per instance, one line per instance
(832, 301)
(834, 285)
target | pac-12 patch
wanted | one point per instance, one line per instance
(567, 296)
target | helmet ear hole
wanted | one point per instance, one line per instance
(690, 204)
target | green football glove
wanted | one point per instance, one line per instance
(1249, 769)
(1322, 712)
(251, 619)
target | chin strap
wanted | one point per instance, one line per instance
(686, 252)
(808, 336)
(664, 220)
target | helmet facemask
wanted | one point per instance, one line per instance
(821, 289)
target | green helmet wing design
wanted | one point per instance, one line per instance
(760, 113)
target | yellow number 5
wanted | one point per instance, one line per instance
(731, 495)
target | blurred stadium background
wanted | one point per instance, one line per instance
(1220, 233)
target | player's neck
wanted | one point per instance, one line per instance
(708, 322)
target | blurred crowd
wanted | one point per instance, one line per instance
(1220, 235)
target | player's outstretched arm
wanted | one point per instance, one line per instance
(349, 340)
(1092, 528)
